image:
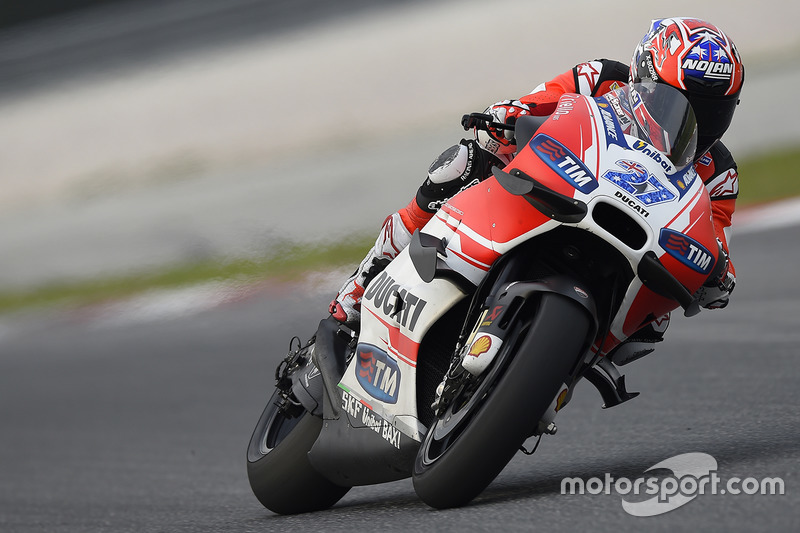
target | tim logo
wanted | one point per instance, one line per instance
(686, 250)
(378, 373)
(634, 179)
(564, 163)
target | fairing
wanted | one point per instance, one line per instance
(585, 152)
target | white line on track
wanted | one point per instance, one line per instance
(770, 216)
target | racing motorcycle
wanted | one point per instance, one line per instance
(474, 337)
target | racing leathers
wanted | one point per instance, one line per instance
(470, 162)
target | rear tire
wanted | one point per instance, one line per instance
(461, 456)
(278, 468)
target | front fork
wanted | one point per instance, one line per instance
(507, 307)
(478, 351)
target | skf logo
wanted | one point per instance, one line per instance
(564, 163)
(686, 250)
(378, 373)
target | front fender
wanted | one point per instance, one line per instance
(510, 304)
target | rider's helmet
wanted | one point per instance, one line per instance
(702, 62)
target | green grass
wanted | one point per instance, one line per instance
(288, 262)
(769, 177)
(762, 179)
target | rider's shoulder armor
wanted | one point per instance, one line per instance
(597, 77)
(719, 172)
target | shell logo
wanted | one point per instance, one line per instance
(480, 346)
(560, 400)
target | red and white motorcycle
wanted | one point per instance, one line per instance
(473, 338)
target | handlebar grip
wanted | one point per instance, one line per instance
(483, 121)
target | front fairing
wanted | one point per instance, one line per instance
(585, 151)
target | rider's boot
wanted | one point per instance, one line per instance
(395, 235)
(456, 169)
(641, 343)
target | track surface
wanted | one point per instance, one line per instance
(143, 427)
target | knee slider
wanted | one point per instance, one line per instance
(459, 167)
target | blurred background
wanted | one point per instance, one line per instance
(139, 134)
(162, 143)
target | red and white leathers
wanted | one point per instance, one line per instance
(465, 164)
(393, 238)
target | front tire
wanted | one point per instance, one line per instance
(278, 468)
(471, 443)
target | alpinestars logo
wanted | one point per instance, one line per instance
(724, 186)
(587, 75)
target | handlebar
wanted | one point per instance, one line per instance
(483, 121)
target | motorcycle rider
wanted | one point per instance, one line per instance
(691, 55)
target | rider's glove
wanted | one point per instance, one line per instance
(499, 141)
(714, 293)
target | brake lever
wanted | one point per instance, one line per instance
(483, 121)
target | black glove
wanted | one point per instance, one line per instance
(715, 293)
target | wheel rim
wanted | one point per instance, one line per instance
(278, 428)
(448, 428)
(273, 427)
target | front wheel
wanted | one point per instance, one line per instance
(481, 430)
(280, 473)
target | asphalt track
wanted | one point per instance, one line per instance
(143, 426)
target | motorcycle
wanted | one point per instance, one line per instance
(474, 337)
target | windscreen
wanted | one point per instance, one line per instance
(665, 119)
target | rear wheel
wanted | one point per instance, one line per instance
(490, 418)
(280, 473)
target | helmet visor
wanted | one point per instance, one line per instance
(714, 115)
(665, 119)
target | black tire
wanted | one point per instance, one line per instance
(280, 473)
(460, 458)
